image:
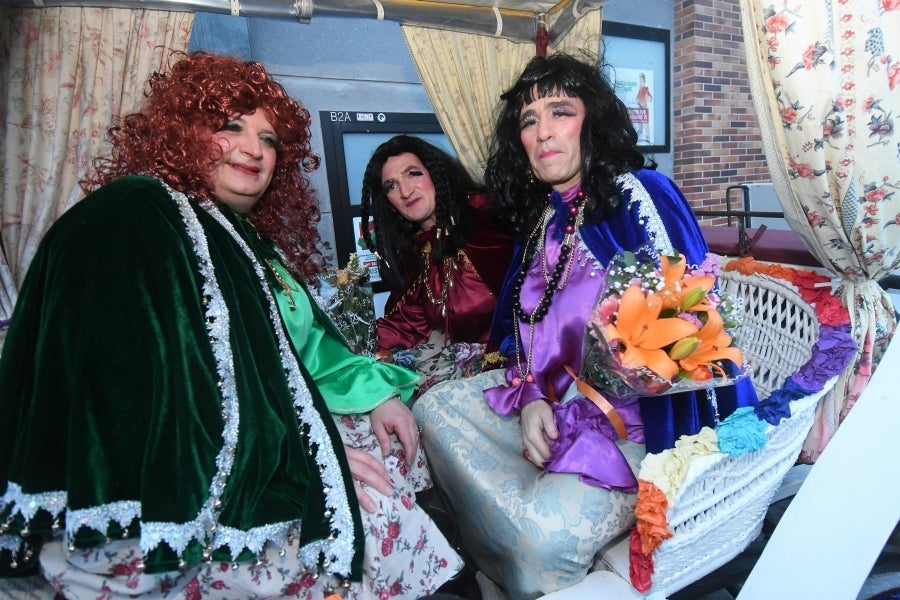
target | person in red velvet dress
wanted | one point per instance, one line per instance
(441, 253)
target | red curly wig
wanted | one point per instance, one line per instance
(171, 138)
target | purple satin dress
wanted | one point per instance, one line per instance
(586, 442)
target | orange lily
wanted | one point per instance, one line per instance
(677, 286)
(644, 334)
(715, 344)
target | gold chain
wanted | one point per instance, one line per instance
(542, 251)
(283, 283)
(528, 376)
(539, 241)
(447, 283)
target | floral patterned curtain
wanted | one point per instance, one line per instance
(464, 75)
(825, 78)
(65, 75)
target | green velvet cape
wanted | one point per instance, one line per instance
(149, 389)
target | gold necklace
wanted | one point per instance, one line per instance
(447, 283)
(288, 289)
(567, 241)
(554, 281)
(539, 244)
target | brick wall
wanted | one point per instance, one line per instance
(715, 133)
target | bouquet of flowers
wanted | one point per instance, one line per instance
(660, 328)
(346, 295)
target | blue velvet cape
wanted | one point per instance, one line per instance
(653, 212)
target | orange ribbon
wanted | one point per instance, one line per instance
(597, 398)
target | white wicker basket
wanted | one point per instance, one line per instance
(719, 509)
(779, 330)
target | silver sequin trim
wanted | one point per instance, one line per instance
(13, 543)
(27, 505)
(647, 213)
(338, 551)
(204, 526)
(98, 518)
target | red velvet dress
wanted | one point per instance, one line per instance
(451, 303)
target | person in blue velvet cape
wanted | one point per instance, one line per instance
(538, 477)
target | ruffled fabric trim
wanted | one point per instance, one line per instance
(662, 474)
(585, 447)
(336, 551)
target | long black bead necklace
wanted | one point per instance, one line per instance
(555, 281)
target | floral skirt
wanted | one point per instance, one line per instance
(406, 556)
(438, 360)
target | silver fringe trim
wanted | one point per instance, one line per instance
(204, 527)
(338, 548)
(28, 505)
(98, 518)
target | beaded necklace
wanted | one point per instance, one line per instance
(556, 281)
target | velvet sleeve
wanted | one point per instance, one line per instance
(655, 212)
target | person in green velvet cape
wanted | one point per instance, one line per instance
(179, 418)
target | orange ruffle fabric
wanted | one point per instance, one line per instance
(650, 513)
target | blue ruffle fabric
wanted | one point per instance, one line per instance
(830, 355)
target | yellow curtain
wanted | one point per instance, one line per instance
(825, 79)
(70, 73)
(464, 75)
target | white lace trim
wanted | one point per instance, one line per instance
(648, 215)
(205, 528)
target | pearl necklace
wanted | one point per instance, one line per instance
(555, 281)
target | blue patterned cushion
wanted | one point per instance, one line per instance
(529, 531)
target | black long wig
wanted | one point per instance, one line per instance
(609, 143)
(393, 237)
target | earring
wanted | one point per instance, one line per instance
(531, 176)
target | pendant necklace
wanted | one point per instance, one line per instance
(285, 285)
(289, 290)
